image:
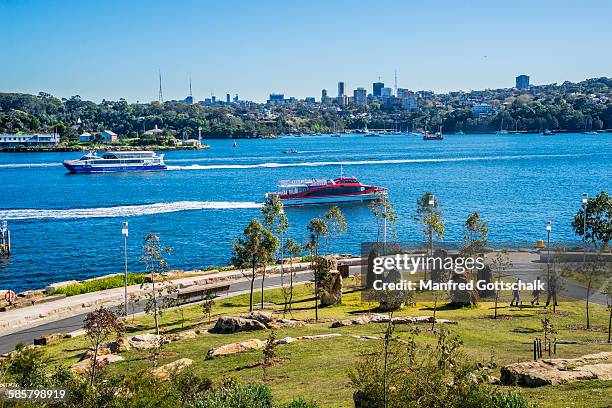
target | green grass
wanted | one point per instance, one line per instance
(100, 284)
(318, 369)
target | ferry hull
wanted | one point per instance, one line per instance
(329, 199)
(80, 169)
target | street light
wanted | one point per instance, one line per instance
(585, 201)
(125, 233)
(431, 203)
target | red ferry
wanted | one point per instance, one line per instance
(322, 191)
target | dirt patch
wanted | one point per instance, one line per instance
(582, 327)
(162, 355)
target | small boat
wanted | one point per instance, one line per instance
(324, 191)
(548, 133)
(437, 136)
(372, 134)
(289, 151)
(589, 132)
(460, 132)
(335, 135)
(501, 130)
(117, 162)
(235, 144)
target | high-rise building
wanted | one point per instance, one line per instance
(276, 99)
(227, 98)
(386, 92)
(360, 96)
(236, 98)
(324, 96)
(340, 88)
(522, 82)
(309, 99)
(377, 88)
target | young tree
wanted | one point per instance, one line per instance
(294, 250)
(431, 220)
(500, 265)
(598, 220)
(254, 249)
(207, 305)
(269, 352)
(154, 258)
(591, 275)
(608, 292)
(336, 224)
(99, 325)
(383, 211)
(475, 234)
(317, 229)
(275, 220)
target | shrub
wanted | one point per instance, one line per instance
(299, 403)
(100, 284)
(233, 394)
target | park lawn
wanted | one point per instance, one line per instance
(318, 369)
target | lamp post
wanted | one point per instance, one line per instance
(431, 203)
(548, 230)
(585, 201)
(125, 233)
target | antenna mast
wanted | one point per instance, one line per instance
(161, 96)
(396, 82)
(190, 93)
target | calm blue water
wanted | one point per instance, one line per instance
(69, 226)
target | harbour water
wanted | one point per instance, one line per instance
(69, 226)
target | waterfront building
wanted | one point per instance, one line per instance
(482, 109)
(360, 96)
(340, 88)
(522, 82)
(85, 137)
(109, 136)
(377, 88)
(38, 139)
(154, 132)
(386, 92)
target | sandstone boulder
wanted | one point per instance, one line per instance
(166, 371)
(83, 366)
(286, 340)
(118, 345)
(320, 336)
(559, 371)
(261, 316)
(229, 324)
(233, 348)
(351, 321)
(48, 339)
(145, 341)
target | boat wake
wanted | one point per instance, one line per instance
(124, 210)
(26, 165)
(364, 162)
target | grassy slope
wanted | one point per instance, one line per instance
(318, 369)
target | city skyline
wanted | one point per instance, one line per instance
(115, 50)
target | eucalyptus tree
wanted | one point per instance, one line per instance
(294, 250)
(154, 258)
(598, 221)
(336, 224)
(429, 216)
(275, 220)
(385, 216)
(253, 249)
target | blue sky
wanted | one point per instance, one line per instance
(112, 49)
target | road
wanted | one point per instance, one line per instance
(523, 268)
(27, 336)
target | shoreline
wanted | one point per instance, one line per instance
(58, 149)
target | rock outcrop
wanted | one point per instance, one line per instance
(233, 348)
(145, 341)
(230, 324)
(558, 371)
(166, 371)
(83, 366)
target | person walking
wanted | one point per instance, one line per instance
(536, 292)
(516, 294)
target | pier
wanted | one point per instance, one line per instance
(5, 240)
